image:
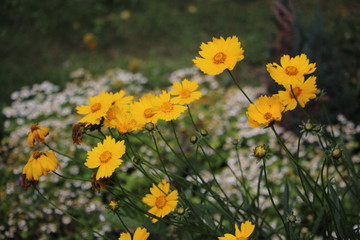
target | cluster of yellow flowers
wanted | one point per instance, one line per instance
(291, 75)
(39, 163)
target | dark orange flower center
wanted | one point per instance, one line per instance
(161, 202)
(34, 127)
(297, 92)
(105, 157)
(291, 70)
(148, 113)
(185, 93)
(267, 116)
(220, 57)
(167, 107)
(95, 107)
(37, 154)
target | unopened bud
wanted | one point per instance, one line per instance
(260, 151)
(180, 211)
(137, 160)
(336, 153)
(309, 126)
(291, 218)
(149, 126)
(193, 139)
(203, 132)
(235, 141)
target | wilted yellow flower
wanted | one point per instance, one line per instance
(105, 156)
(37, 134)
(97, 108)
(292, 70)
(140, 234)
(265, 110)
(160, 200)
(246, 229)
(185, 91)
(166, 108)
(39, 164)
(303, 91)
(219, 54)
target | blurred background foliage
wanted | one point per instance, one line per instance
(43, 40)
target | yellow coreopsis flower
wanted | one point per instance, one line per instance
(160, 200)
(246, 229)
(219, 54)
(291, 70)
(139, 234)
(119, 105)
(185, 91)
(39, 164)
(303, 91)
(97, 108)
(106, 156)
(37, 134)
(144, 110)
(265, 110)
(166, 108)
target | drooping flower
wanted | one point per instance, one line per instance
(160, 200)
(139, 234)
(39, 164)
(185, 91)
(246, 229)
(265, 110)
(97, 108)
(166, 108)
(219, 54)
(291, 70)
(37, 134)
(143, 111)
(303, 91)
(106, 156)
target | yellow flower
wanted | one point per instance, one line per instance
(97, 108)
(119, 105)
(265, 110)
(186, 91)
(39, 164)
(219, 54)
(125, 122)
(106, 156)
(291, 70)
(140, 234)
(144, 110)
(166, 108)
(246, 229)
(160, 200)
(303, 91)
(37, 134)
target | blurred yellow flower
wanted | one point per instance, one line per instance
(303, 91)
(291, 70)
(105, 156)
(125, 14)
(185, 91)
(119, 105)
(144, 110)
(246, 229)
(126, 123)
(166, 108)
(37, 134)
(219, 54)
(265, 110)
(97, 108)
(39, 164)
(139, 234)
(90, 40)
(160, 200)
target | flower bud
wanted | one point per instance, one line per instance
(193, 139)
(137, 160)
(336, 153)
(149, 126)
(260, 151)
(203, 132)
(113, 205)
(235, 141)
(292, 218)
(180, 211)
(308, 126)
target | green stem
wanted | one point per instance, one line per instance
(192, 120)
(60, 153)
(71, 178)
(237, 84)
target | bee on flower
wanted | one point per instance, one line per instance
(161, 201)
(37, 134)
(219, 54)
